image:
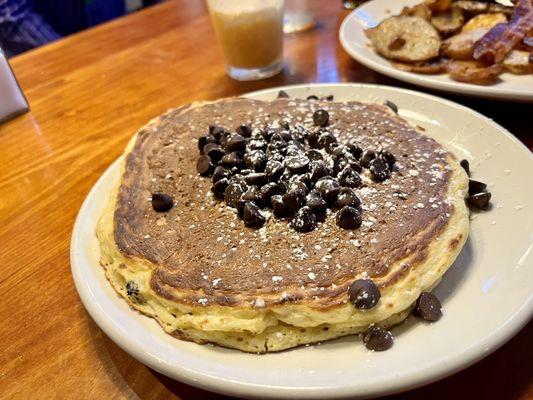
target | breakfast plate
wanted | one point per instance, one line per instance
(353, 40)
(486, 294)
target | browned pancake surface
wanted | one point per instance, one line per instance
(205, 253)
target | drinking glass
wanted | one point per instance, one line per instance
(250, 34)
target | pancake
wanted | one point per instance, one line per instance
(206, 277)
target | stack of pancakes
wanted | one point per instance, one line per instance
(206, 277)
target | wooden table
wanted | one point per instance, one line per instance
(88, 94)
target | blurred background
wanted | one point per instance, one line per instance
(26, 24)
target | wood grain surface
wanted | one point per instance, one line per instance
(88, 94)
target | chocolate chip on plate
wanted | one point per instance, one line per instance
(379, 170)
(297, 164)
(466, 166)
(252, 215)
(271, 189)
(257, 144)
(355, 150)
(217, 131)
(304, 220)
(315, 202)
(204, 166)
(219, 187)
(377, 339)
(214, 152)
(366, 157)
(312, 97)
(278, 206)
(235, 143)
(328, 188)
(256, 178)
(475, 187)
(479, 200)
(295, 196)
(327, 141)
(233, 159)
(321, 117)
(318, 170)
(282, 94)
(162, 202)
(347, 197)
(203, 140)
(428, 307)
(274, 170)
(232, 194)
(314, 155)
(388, 157)
(391, 105)
(349, 178)
(349, 218)
(364, 294)
(219, 173)
(244, 130)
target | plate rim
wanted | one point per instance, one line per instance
(483, 348)
(460, 88)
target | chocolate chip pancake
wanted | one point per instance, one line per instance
(180, 254)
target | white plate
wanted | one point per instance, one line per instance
(486, 294)
(354, 41)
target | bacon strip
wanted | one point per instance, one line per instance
(502, 38)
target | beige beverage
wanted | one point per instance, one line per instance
(251, 36)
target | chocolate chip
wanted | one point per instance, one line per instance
(252, 216)
(318, 170)
(274, 170)
(203, 140)
(214, 152)
(304, 220)
(256, 160)
(232, 160)
(321, 117)
(479, 200)
(428, 307)
(241, 203)
(366, 157)
(232, 194)
(312, 139)
(348, 162)
(349, 178)
(391, 105)
(271, 189)
(256, 178)
(244, 130)
(235, 143)
(257, 144)
(364, 294)
(239, 180)
(328, 189)
(312, 97)
(377, 338)
(466, 166)
(314, 155)
(219, 187)
(347, 197)
(327, 141)
(162, 202)
(355, 150)
(219, 173)
(475, 187)
(329, 97)
(278, 206)
(379, 170)
(204, 166)
(388, 157)
(282, 94)
(295, 197)
(297, 164)
(216, 131)
(315, 202)
(349, 218)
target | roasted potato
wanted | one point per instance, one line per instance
(471, 7)
(518, 62)
(484, 21)
(448, 22)
(461, 46)
(408, 39)
(420, 10)
(473, 72)
(425, 67)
